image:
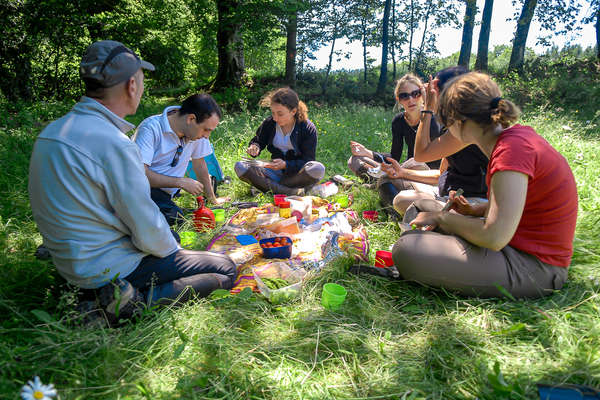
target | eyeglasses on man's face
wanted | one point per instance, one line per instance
(415, 94)
(177, 155)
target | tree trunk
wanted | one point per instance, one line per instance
(393, 44)
(517, 55)
(364, 43)
(467, 36)
(324, 86)
(412, 31)
(230, 49)
(598, 32)
(384, 48)
(290, 51)
(419, 57)
(481, 63)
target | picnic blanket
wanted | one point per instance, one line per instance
(332, 232)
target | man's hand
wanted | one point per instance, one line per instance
(393, 170)
(358, 149)
(220, 200)
(191, 186)
(276, 164)
(253, 150)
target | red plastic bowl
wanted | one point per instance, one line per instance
(371, 215)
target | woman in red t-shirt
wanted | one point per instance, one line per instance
(521, 241)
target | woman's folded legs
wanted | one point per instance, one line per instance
(450, 262)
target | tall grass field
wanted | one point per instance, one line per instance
(391, 340)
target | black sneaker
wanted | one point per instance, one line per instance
(120, 299)
(42, 253)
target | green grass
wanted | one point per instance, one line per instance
(392, 340)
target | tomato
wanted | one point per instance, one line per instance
(263, 245)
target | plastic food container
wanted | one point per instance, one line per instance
(283, 271)
(284, 209)
(276, 252)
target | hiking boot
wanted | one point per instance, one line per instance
(91, 315)
(120, 299)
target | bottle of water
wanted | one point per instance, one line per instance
(325, 189)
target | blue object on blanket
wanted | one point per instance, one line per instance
(567, 392)
(246, 239)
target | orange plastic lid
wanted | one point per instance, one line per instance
(284, 204)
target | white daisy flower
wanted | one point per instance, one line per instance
(35, 390)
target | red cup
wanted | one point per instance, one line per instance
(383, 259)
(371, 215)
(278, 198)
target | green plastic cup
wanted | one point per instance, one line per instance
(333, 296)
(342, 200)
(188, 238)
(219, 214)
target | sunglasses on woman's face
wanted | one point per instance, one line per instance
(415, 94)
(177, 154)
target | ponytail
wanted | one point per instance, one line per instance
(476, 97)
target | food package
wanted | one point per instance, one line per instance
(288, 225)
(267, 219)
(281, 272)
(302, 204)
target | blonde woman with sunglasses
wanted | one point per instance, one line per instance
(424, 176)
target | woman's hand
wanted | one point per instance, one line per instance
(460, 204)
(393, 170)
(276, 164)
(427, 220)
(359, 150)
(431, 94)
(253, 150)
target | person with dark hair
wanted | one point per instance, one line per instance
(91, 200)
(291, 138)
(521, 241)
(168, 141)
(464, 165)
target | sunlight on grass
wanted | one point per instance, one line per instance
(389, 339)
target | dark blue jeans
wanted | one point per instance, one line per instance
(163, 280)
(167, 207)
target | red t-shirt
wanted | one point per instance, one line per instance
(547, 226)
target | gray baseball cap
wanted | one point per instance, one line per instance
(108, 62)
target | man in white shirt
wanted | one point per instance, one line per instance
(91, 200)
(168, 141)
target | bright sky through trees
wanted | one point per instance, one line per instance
(502, 32)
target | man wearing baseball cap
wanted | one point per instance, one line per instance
(91, 199)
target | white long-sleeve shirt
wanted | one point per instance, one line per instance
(91, 199)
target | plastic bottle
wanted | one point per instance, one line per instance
(204, 218)
(324, 189)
